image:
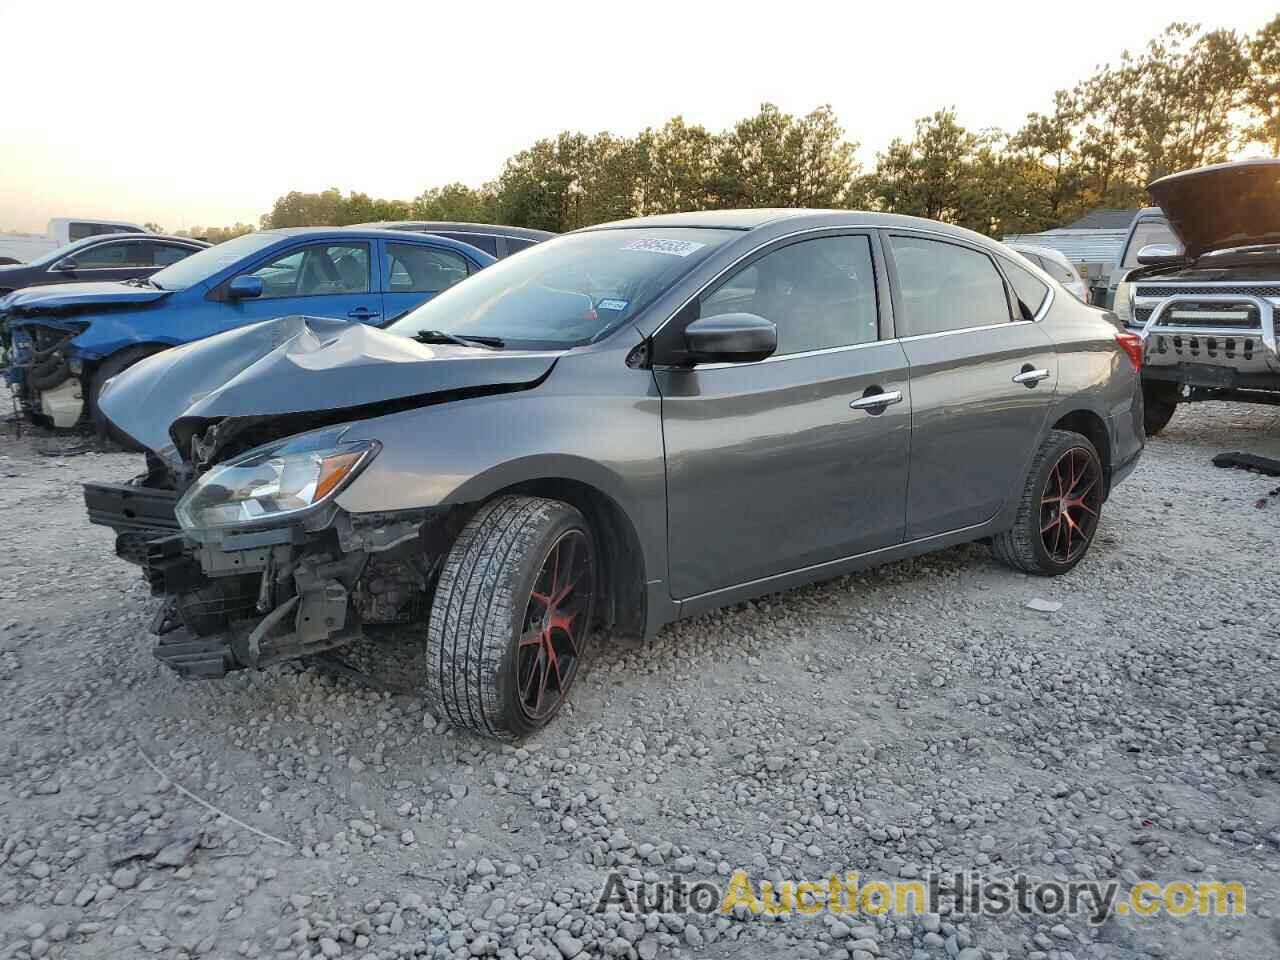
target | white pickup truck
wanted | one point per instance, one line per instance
(25, 247)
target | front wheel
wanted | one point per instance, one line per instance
(115, 364)
(1159, 403)
(511, 618)
(1059, 510)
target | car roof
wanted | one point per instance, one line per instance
(135, 237)
(799, 217)
(458, 226)
(367, 233)
(1040, 251)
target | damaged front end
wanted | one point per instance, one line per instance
(42, 373)
(259, 565)
(252, 435)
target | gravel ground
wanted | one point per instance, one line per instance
(917, 717)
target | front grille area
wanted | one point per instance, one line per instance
(1143, 290)
(1233, 316)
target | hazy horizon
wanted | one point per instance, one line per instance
(209, 116)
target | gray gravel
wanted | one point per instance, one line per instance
(921, 716)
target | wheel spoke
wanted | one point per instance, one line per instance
(555, 629)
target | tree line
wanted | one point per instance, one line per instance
(1189, 98)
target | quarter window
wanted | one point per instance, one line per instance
(1029, 289)
(946, 286)
(317, 270)
(820, 294)
(416, 269)
(106, 256)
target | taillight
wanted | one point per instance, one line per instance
(1131, 344)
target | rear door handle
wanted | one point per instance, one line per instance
(1030, 376)
(362, 313)
(876, 402)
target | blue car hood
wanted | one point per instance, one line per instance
(68, 297)
(297, 365)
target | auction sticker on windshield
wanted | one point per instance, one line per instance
(674, 248)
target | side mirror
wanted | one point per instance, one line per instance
(731, 338)
(1154, 254)
(67, 265)
(244, 287)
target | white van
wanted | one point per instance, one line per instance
(25, 247)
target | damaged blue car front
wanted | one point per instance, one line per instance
(63, 342)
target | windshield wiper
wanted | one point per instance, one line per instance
(138, 282)
(442, 336)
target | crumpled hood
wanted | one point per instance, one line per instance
(58, 297)
(1222, 206)
(296, 365)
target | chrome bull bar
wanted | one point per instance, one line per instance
(1266, 315)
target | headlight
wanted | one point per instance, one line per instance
(1123, 308)
(280, 480)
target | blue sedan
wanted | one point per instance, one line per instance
(64, 341)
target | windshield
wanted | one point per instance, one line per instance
(567, 291)
(202, 265)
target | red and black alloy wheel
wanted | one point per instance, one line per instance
(1070, 505)
(556, 626)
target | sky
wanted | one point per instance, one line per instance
(200, 113)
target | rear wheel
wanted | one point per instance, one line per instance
(1059, 510)
(115, 364)
(1159, 403)
(510, 622)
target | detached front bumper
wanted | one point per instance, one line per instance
(254, 598)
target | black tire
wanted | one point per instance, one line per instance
(1159, 403)
(1029, 546)
(114, 364)
(480, 676)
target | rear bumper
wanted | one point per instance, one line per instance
(1128, 438)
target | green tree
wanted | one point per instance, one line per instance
(1262, 92)
(776, 160)
(454, 201)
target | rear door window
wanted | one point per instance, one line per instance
(412, 268)
(163, 254)
(485, 242)
(946, 286)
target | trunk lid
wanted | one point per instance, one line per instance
(1222, 206)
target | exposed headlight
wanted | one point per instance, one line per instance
(1123, 307)
(280, 480)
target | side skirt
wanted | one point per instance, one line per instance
(835, 568)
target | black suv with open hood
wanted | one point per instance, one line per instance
(1207, 310)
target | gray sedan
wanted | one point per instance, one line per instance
(619, 428)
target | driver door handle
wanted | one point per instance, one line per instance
(1030, 376)
(876, 401)
(362, 313)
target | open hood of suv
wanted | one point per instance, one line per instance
(1222, 206)
(300, 365)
